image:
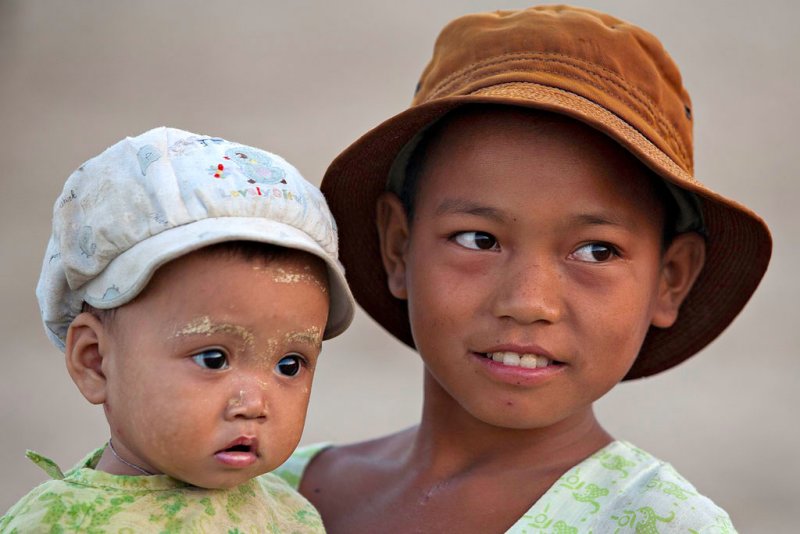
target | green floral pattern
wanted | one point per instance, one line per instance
(84, 500)
(618, 490)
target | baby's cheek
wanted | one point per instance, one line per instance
(179, 414)
(293, 409)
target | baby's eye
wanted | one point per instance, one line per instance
(476, 240)
(290, 365)
(211, 359)
(595, 253)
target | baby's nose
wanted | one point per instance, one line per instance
(248, 402)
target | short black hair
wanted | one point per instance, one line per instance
(246, 250)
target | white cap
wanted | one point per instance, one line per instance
(150, 199)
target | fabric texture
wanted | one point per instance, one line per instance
(620, 489)
(152, 198)
(90, 501)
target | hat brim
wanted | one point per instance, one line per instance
(738, 246)
(137, 265)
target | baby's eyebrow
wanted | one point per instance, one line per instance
(460, 206)
(311, 337)
(204, 326)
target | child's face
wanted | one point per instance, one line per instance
(209, 370)
(536, 245)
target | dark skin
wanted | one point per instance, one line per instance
(549, 242)
(406, 483)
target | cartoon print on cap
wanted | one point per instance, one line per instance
(147, 155)
(256, 165)
(85, 242)
(111, 293)
(218, 171)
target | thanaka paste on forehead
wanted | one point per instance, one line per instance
(291, 276)
(311, 336)
(264, 358)
(204, 326)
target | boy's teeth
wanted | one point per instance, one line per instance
(513, 359)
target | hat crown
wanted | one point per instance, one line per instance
(616, 65)
(165, 178)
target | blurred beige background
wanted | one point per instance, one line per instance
(304, 79)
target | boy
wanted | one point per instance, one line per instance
(538, 237)
(190, 282)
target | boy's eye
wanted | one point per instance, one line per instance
(211, 359)
(595, 253)
(476, 240)
(289, 365)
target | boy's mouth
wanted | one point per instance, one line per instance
(241, 452)
(516, 359)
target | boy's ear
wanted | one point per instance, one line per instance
(393, 232)
(681, 264)
(84, 356)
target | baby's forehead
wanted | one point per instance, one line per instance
(220, 279)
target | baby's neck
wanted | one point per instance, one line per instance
(113, 461)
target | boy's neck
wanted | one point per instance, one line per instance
(449, 440)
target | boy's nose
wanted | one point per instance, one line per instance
(247, 402)
(529, 292)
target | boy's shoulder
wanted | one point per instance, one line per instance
(92, 501)
(624, 487)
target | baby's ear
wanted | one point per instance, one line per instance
(393, 232)
(84, 355)
(681, 264)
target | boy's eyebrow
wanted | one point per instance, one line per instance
(598, 219)
(461, 206)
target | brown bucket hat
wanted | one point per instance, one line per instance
(592, 67)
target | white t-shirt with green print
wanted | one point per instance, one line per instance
(618, 490)
(88, 501)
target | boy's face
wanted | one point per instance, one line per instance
(209, 370)
(535, 244)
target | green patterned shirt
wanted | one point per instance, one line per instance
(88, 501)
(618, 490)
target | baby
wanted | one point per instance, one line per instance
(190, 282)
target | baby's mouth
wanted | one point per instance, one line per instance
(516, 359)
(241, 452)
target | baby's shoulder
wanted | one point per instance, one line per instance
(626, 487)
(44, 505)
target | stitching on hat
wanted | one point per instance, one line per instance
(582, 65)
(643, 101)
(639, 95)
(584, 104)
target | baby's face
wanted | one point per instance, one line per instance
(209, 370)
(533, 268)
